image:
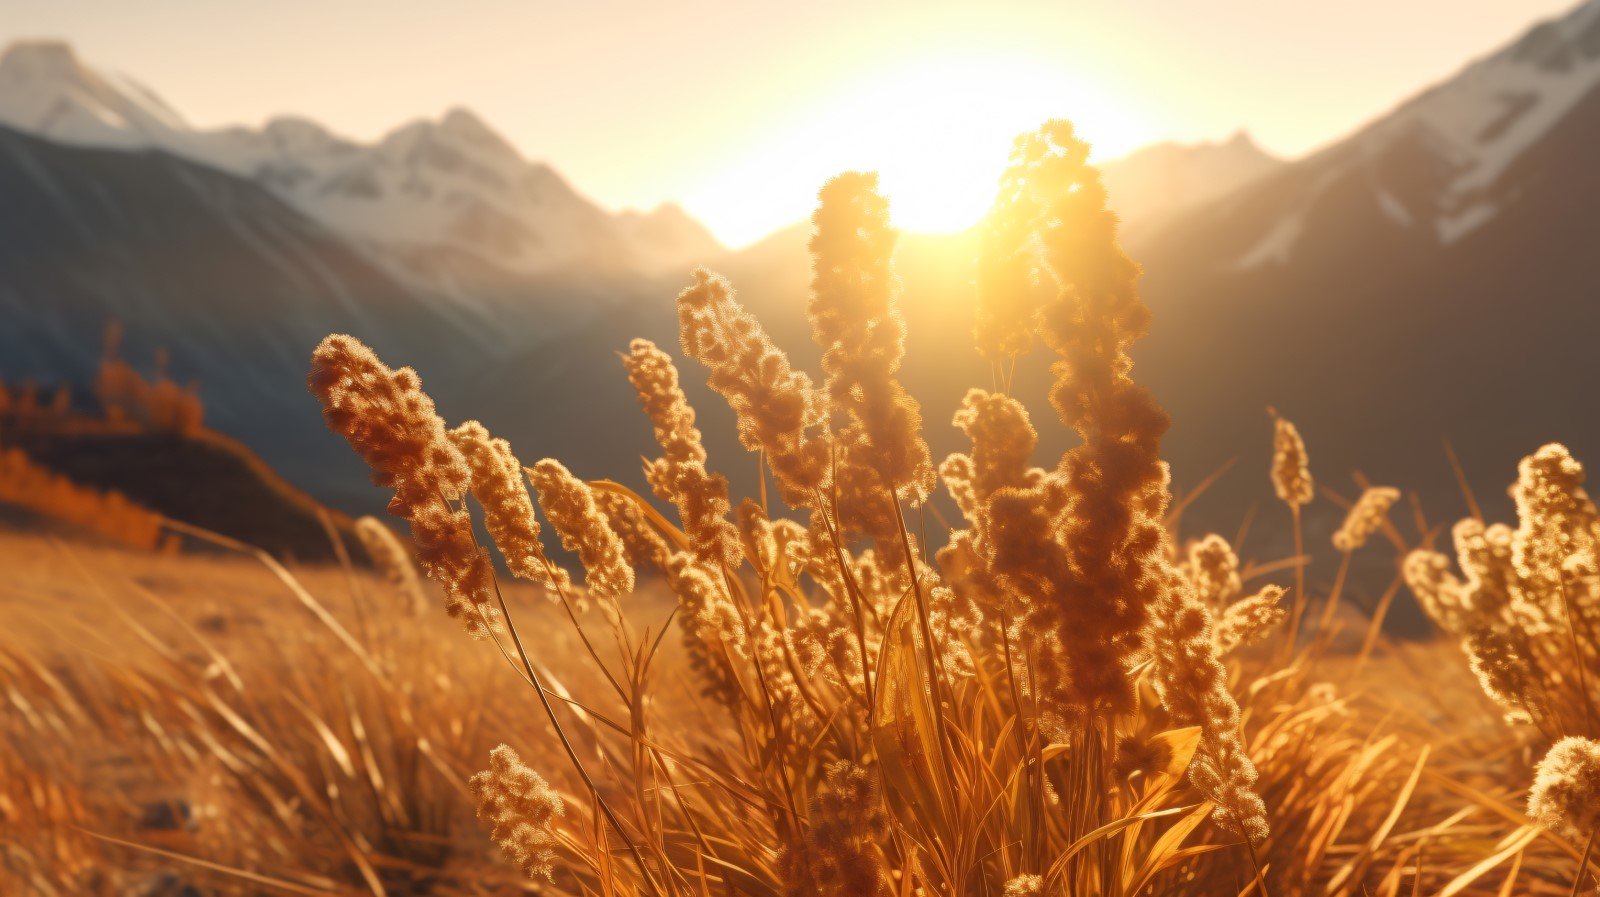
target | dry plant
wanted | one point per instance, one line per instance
(1058, 695)
(1525, 610)
(1041, 707)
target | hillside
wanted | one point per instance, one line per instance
(201, 478)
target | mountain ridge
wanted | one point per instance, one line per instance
(448, 182)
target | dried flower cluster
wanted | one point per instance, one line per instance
(392, 425)
(856, 322)
(1008, 285)
(1083, 541)
(1249, 620)
(1526, 610)
(571, 507)
(1366, 517)
(521, 809)
(1565, 796)
(840, 854)
(390, 556)
(1291, 468)
(499, 487)
(1193, 684)
(1213, 569)
(680, 474)
(779, 411)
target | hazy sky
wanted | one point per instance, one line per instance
(740, 109)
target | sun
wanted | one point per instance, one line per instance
(936, 128)
(940, 132)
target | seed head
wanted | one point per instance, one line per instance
(570, 504)
(391, 557)
(855, 319)
(779, 411)
(1248, 620)
(1213, 568)
(1291, 471)
(1565, 797)
(499, 487)
(680, 474)
(392, 425)
(1366, 517)
(521, 809)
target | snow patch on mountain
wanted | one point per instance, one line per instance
(1394, 208)
(1276, 246)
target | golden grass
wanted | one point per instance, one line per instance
(1041, 707)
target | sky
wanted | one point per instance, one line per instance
(739, 109)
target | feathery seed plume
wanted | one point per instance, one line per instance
(1505, 672)
(390, 556)
(713, 630)
(1213, 568)
(1083, 541)
(1565, 797)
(644, 547)
(779, 411)
(1003, 441)
(570, 504)
(1008, 282)
(1025, 886)
(1248, 620)
(392, 425)
(1485, 556)
(1366, 517)
(1193, 685)
(840, 854)
(1557, 524)
(521, 809)
(680, 474)
(1089, 543)
(499, 487)
(856, 321)
(1291, 471)
(1437, 589)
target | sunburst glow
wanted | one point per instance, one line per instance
(935, 131)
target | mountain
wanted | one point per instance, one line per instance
(239, 286)
(45, 90)
(237, 250)
(1151, 186)
(1433, 276)
(449, 203)
(234, 282)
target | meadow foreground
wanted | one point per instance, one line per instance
(1059, 693)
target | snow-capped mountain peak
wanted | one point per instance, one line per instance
(450, 187)
(1482, 120)
(1445, 163)
(46, 90)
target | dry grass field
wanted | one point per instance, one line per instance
(193, 706)
(1060, 693)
